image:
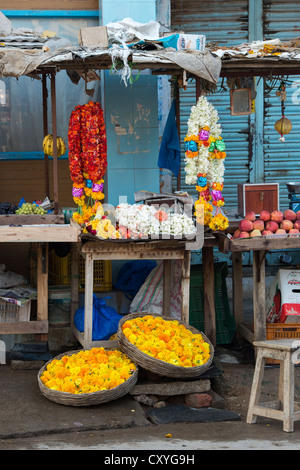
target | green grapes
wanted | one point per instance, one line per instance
(28, 208)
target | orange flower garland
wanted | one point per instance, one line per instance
(87, 158)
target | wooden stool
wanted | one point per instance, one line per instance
(283, 408)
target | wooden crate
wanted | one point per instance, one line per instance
(258, 197)
(10, 312)
(282, 331)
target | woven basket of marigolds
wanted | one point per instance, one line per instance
(87, 377)
(165, 346)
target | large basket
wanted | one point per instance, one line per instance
(85, 399)
(155, 365)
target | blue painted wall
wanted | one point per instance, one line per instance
(131, 117)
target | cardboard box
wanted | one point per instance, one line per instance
(283, 298)
(195, 42)
(93, 37)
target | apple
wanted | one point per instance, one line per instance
(267, 232)
(277, 216)
(271, 225)
(289, 215)
(236, 234)
(258, 224)
(255, 233)
(297, 224)
(294, 230)
(246, 225)
(280, 231)
(250, 216)
(298, 215)
(286, 225)
(265, 216)
(244, 235)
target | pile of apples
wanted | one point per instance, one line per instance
(276, 222)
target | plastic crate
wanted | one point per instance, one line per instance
(225, 323)
(281, 331)
(60, 273)
(10, 312)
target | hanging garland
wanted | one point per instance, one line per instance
(87, 158)
(204, 162)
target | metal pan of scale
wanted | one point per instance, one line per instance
(293, 187)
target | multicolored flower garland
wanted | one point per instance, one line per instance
(87, 158)
(204, 162)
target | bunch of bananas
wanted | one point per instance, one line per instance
(48, 145)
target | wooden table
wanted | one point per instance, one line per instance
(259, 246)
(165, 250)
(41, 234)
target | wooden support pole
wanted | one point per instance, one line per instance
(185, 287)
(54, 133)
(259, 294)
(42, 284)
(237, 289)
(209, 293)
(45, 126)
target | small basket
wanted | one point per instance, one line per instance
(158, 366)
(85, 399)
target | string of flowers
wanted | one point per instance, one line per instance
(204, 162)
(87, 159)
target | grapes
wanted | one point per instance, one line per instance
(28, 208)
(7, 208)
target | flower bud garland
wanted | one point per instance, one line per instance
(204, 162)
(87, 158)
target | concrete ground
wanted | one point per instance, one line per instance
(29, 421)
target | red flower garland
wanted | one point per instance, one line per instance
(87, 143)
(75, 161)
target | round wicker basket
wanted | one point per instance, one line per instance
(155, 365)
(85, 399)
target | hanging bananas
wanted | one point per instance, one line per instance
(48, 145)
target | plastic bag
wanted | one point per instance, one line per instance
(132, 276)
(105, 319)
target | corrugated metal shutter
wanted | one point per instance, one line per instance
(281, 160)
(225, 23)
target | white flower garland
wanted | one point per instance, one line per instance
(204, 160)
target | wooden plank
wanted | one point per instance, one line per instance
(259, 296)
(24, 327)
(88, 301)
(34, 219)
(185, 287)
(261, 243)
(42, 284)
(40, 233)
(99, 246)
(158, 254)
(209, 293)
(74, 280)
(237, 289)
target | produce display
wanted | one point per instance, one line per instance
(88, 371)
(48, 145)
(276, 223)
(28, 208)
(167, 340)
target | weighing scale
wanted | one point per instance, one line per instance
(294, 196)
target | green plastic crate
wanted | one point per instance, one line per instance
(225, 323)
